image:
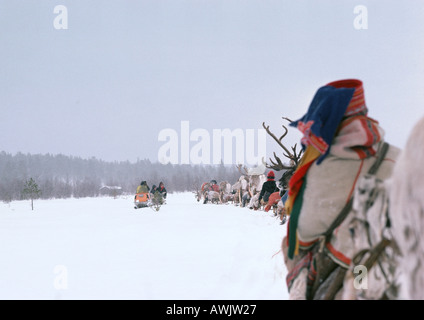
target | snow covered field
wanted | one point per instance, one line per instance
(101, 248)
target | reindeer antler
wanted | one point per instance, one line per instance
(293, 156)
(278, 140)
(278, 165)
(244, 168)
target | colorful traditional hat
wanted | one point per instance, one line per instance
(329, 106)
(357, 103)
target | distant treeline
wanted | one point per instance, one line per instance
(60, 176)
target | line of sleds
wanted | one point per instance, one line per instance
(150, 198)
(245, 193)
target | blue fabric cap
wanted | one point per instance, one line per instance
(324, 116)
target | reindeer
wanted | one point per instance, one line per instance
(197, 193)
(241, 186)
(255, 187)
(294, 158)
(236, 193)
(203, 192)
(375, 249)
(249, 185)
(407, 213)
(225, 194)
(387, 225)
(209, 194)
(256, 178)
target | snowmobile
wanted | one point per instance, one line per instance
(142, 200)
(154, 201)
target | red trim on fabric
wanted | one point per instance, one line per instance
(287, 231)
(309, 138)
(296, 181)
(346, 83)
(312, 274)
(318, 143)
(305, 262)
(305, 126)
(357, 102)
(338, 255)
(307, 244)
(369, 128)
(389, 159)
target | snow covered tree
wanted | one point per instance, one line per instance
(32, 191)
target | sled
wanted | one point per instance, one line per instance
(142, 200)
(157, 200)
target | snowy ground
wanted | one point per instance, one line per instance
(101, 248)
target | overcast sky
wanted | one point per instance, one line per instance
(123, 71)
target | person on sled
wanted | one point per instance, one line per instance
(162, 190)
(143, 187)
(278, 198)
(213, 193)
(268, 188)
(157, 197)
(159, 194)
(341, 144)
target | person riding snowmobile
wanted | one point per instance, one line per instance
(143, 187)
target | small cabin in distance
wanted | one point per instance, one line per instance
(112, 191)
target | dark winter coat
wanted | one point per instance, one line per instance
(268, 188)
(162, 190)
